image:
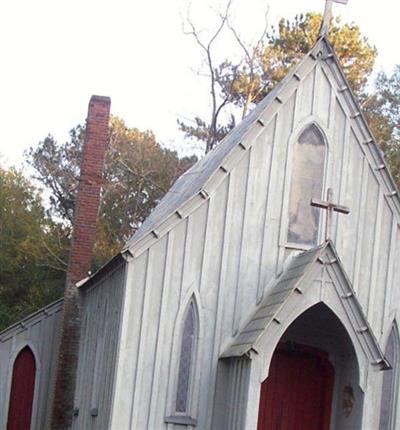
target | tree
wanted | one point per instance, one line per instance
(209, 132)
(382, 109)
(262, 66)
(223, 79)
(291, 40)
(137, 175)
(32, 250)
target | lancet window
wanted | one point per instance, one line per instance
(309, 155)
(187, 359)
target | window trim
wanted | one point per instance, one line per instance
(190, 307)
(189, 417)
(293, 139)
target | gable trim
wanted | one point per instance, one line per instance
(259, 118)
(262, 117)
(359, 121)
(201, 184)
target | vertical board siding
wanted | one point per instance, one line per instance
(340, 149)
(265, 271)
(41, 333)
(213, 278)
(322, 96)
(148, 339)
(366, 240)
(383, 260)
(172, 298)
(253, 229)
(360, 203)
(349, 223)
(159, 375)
(284, 127)
(306, 96)
(98, 348)
(195, 242)
(228, 250)
(237, 184)
(394, 290)
(238, 292)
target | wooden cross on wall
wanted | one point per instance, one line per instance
(330, 207)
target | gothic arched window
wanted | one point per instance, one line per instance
(390, 385)
(307, 182)
(187, 359)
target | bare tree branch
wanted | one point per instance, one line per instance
(207, 48)
(55, 256)
(143, 177)
(251, 58)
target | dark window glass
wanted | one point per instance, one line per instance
(186, 360)
(307, 183)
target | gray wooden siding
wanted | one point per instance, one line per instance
(228, 251)
(98, 350)
(40, 332)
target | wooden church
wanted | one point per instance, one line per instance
(261, 293)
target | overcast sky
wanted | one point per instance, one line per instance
(56, 53)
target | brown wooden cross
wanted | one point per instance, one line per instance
(330, 207)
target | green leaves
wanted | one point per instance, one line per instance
(34, 246)
(138, 173)
(244, 83)
(382, 109)
(32, 250)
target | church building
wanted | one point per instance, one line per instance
(261, 293)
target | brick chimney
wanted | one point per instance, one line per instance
(84, 233)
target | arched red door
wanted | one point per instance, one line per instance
(22, 391)
(297, 395)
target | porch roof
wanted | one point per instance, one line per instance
(289, 284)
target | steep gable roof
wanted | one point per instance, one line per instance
(194, 183)
(193, 180)
(195, 186)
(288, 286)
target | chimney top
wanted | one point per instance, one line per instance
(100, 99)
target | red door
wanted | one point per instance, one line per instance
(22, 389)
(297, 395)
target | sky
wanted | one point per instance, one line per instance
(56, 53)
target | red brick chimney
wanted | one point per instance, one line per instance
(84, 233)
